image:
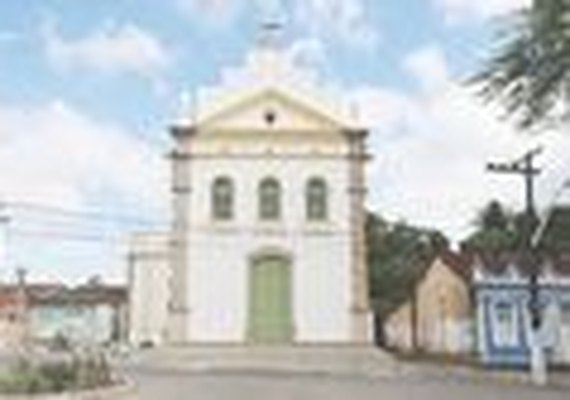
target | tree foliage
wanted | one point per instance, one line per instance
(498, 230)
(556, 238)
(530, 72)
(494, 216)
(398, 254)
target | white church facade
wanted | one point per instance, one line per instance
(267, 243)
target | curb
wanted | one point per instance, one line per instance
(119, 392)
(507, 378)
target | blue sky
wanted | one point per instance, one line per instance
(88, 89)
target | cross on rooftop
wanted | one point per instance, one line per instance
(271, 23)
(270, 33)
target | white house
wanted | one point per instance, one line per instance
(267, 243)
(88, 314)
(501, 291)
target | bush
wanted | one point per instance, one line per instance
(56, 376)
(23, 379)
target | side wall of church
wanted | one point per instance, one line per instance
(148, 279)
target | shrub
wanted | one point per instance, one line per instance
(55, 376)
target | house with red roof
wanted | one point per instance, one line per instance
(437, 318)
(93, 313)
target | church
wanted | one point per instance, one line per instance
(267, 242)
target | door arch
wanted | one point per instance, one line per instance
(270, 316)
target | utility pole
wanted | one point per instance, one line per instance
(525, 167)
(23, 310)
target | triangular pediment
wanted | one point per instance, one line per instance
(271, 109)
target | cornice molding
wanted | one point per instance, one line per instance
(269, 155)
(357, 133)
(179, 132)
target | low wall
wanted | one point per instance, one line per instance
(122, 392)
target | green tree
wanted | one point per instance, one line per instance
(494, 216)
(398, 254)
(556, 238)
(496, 230)
(530, 72)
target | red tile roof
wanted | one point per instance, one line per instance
(460, 263)
(9, 298)
(497, 262)
(50, 293)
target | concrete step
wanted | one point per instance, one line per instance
(345, 360)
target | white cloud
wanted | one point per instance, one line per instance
(309, 52)
(431, 149)
(384, 110)
(457, 11)
(109, 49)
(338, 20)
(270, 8)
(214, 13)
(428, 67)
(54, 155)
(343, 22)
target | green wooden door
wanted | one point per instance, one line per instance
(270, 320)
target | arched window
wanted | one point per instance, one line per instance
(269, 199)
(317, 200)
(223, 199)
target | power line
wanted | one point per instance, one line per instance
(50, 222)
(57, 223)
(97, 215)
(54, 235)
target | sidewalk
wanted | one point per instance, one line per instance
(442, 368)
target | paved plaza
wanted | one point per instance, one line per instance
(357, 373)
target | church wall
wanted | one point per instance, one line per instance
(219, 254)
(149, 276)
(323, 300)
